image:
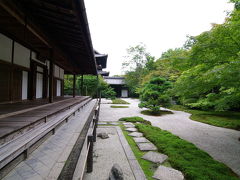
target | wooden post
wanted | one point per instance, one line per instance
(74, 85)
(95, 130)
(11, 74)
(51, 69)
(90, 154)
(82, 85)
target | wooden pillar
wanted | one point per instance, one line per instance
(51, 73)
(90, 154)
(11, 75)
(74, 85)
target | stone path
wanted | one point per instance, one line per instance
(162, 172)
(221, 143)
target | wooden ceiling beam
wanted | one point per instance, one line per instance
(58, 21)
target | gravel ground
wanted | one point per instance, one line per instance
(107, 152)
(221, 143)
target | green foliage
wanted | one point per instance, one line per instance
(154, 94)
(204, 72)
(119, 101)
(159, 113)
(119, 106)
(91, 85)
(136, 65)
(108, 92)
(221, 119)
(148, 167)
(185, 156)
(135, 119)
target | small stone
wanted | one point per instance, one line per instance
(129, 125)
(155, 157)
(116, 173)
(131, 129)
(146, 147)
(166, 173)
(136, 134)
(140, 140)
(103, 135)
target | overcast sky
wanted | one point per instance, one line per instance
(159, 24)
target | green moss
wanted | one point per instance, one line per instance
(147, 166)
(221, 119)
(119, 101)
(151, 113)
(135, 119)
(119, 106)
(186, 157)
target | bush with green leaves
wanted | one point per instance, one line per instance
(108, 93)
(154, 94)
(135, 119)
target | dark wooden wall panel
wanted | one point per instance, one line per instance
(17, 84)
(5, 82)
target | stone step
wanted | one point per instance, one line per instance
(129, 125)
(131, 129)
(146, 147)
(136, 134)
(140, 140)
(167, 173)
(155, 157)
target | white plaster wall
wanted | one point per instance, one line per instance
(24, 85)
(5, 48)
(39, 85)
(58, 88)
(21, 55)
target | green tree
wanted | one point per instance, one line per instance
(212, 78)
(136, 65)
(154, 94)
(91, 86)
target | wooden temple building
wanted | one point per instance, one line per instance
(40, 42)
(118, 84)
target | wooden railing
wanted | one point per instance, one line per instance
(80, 159)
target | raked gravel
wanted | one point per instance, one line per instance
(221, 143)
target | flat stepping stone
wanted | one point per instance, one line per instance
(140, 140)
(146, 147)
(102, 123)
(131, 130)
(113, 123)
(155, 157)
(129, 125)
(166, 173)
(136, 134)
